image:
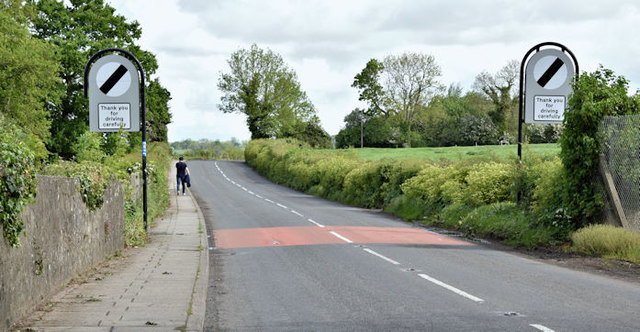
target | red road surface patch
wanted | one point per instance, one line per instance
(312, 235)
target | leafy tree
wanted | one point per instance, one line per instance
(477, 129)
(410, 84)
(262, 87)
(28, 73)
(399, 88)
(377, 130)
(158, 114)
(371, 91)
(595, 95)
(77, 29)
(315, 135)
(500, 88)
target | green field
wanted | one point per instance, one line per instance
(502, 152)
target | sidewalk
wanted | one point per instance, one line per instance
(159, 287)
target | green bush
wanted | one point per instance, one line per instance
(506, 222)
(362, 186)
(488, 183)
(158, 163)
(473, 196)
(595, 95)
(94, 179)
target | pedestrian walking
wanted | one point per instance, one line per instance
(182, 175)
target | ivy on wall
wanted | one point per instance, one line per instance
(18, 181)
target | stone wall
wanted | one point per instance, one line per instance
(62, 239)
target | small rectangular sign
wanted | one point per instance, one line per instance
(114, 116)
(549, 108)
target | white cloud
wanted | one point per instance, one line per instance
(327, 42)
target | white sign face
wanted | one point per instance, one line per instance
(547, 86)
(113, 79)
(114, 95)
(550, 72)
(114, 116)
(549, 108)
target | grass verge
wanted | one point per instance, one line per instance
(608, 242)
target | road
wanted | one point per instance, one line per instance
(282, 260)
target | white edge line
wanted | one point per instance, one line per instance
(451, 288)
(315, 223)
(341, 237)
(381, 256)
(296, 213)
(541, 328)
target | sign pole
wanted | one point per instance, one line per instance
(559, 89)
(142, 90)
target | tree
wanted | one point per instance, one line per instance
(77, 29)
(377, 130)
(158, 115)
(315, 135)
(410, 84)
(28, 74)
(371, 91)
(501, 90)
(262, 87)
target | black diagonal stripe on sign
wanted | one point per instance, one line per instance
(113, 79)
(553, 69)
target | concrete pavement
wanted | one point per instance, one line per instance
(159, 287)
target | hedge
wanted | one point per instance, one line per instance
(451, 194)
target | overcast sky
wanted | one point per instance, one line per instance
(328, 42)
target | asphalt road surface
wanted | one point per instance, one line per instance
(282, 260)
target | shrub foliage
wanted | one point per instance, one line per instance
(595, 95)
(476, 196)
(17, 180)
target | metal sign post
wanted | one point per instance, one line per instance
(545, 89)
(548, 85)
(114, 99)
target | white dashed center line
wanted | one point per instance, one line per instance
(315, 223)
(451, 288)
(381, 256)
(341, 237)
(541, 328)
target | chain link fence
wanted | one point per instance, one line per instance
(620, 165)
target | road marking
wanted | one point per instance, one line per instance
(381, 256)
(341, 237)
(315, 223)
(270, 201)
(251, 192)
(282, 206)
(296, 213)
(541, 328)
(259, 196)
(451, 288)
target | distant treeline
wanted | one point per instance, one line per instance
(207, 149)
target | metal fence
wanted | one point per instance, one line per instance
(620, 165)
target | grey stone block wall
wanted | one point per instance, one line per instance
(62, 239)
